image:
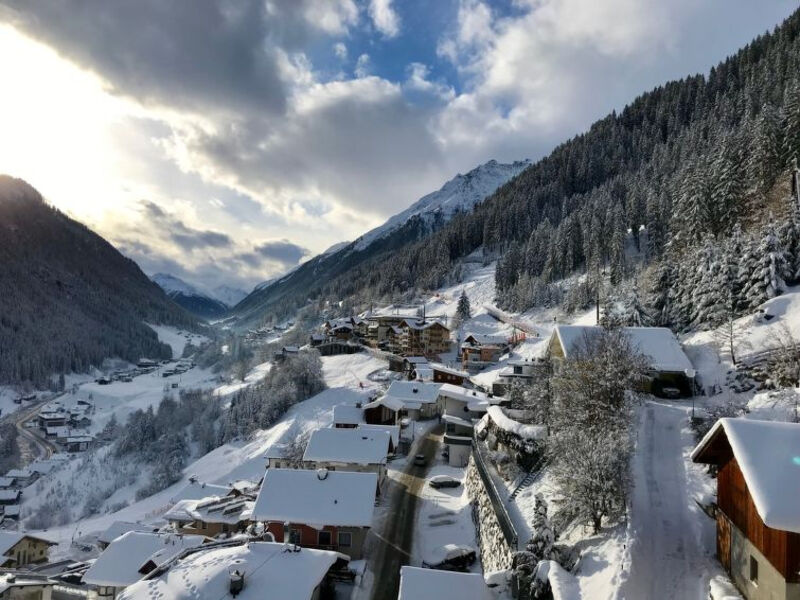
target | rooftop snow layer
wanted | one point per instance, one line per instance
(474, 398)
(118, 528)
(414, 391)
(526, 432)
(347, 414)
(658, 344)
(768, 453)
(268, 568)
(119, 564)
(392, 430)
(317, 498)
(431, 584)
(197, 490)
(356, 446)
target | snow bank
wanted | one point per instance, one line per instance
(564, 584)
(526, 432)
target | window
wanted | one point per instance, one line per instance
(294, 536)
(345, 539)
(324, 538)
(753, 570)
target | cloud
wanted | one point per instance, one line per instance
(185, 237)
(240, 115)
(384, 17)
(282, 251)
(362, 66)
(340, 50)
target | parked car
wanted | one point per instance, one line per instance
(450, 557)
(671, 392)
(420, 460)
(443, 481)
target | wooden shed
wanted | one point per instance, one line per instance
(758, 512)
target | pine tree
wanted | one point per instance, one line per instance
(769, 270)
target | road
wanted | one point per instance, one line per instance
(31, 445)
(397, 534)
(667, 561)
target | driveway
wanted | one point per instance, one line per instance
(395, 539)
(668, 561)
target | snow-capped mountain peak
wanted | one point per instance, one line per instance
(461, 194)
(171, 285)
(228, 294)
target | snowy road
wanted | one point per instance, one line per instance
(667, 560)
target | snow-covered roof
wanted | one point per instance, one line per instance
(6, 481)
(357, 446)
(317, 497)
(20, 473)
(228, 509)
(9, 539)
(421, 325)
(414, 391)
(432, 584)
(197, 490)
(118, 528)
(348, 414)
(6, 495)
(658, 344)
(119, 564)
(526, 432)
(392, 430)
(475, 399)
(768, 454)
(10, 581)
(484, 339)
(416, 360)
(449, 370)
(269, 571)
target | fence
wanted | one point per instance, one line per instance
(503, 518)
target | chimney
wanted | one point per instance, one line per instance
(237, 581)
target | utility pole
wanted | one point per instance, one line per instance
(597, 290)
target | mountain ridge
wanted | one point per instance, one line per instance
(68, 298)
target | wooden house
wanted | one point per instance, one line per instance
(212, 516)
(18, 548)
(758, 504)
(357, 450)
(481, 350)
(669, 369)
(327, 510)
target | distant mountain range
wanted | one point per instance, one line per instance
(68, 298)
(190, 298)
(431, 212)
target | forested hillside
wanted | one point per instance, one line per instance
(68, 299)
(687, 164)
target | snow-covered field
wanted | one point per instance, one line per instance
(177, 338)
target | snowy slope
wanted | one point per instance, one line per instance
(460, 194)
(228, 295)
(170, 284)
(189, 297)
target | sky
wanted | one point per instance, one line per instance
(225, 141)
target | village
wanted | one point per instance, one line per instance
(417, 445)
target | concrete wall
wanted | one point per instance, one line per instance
(459, 455)
(496, 554)
(771, 584)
